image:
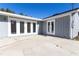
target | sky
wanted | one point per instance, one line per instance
(38, 10)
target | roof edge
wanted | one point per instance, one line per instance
(20, 16)
(62, 13)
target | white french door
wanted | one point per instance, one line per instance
(51, 27)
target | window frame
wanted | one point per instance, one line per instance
(34, 28)
(13, 31)
(29, 30)
(50, 31)
(48, 24)
(52, 27)
(21, 24)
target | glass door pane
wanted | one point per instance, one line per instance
(52, 27)
(21, 27)
(13, 27)
(28, 27)
(48, 26)
(34, 27)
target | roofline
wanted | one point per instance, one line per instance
(69, 11)
(37, 19)
(20, 16)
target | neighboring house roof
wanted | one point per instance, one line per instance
(20, 16)
(61, 13)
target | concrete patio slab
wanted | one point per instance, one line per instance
(38, 45)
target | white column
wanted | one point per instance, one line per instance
(71, 29)
(25, 27)
(17, 28)
(50, 27)
(9, 27)
(31, 27)
(37, 28)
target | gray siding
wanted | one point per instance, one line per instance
(3, 26)
(44, 27)
(62, 26)
(40, 27)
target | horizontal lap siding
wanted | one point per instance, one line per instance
(44, 27)
(40, 27)
(62, 26)
(3, 26)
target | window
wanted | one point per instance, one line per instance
(21, 27)
(28, 27)
(13, 27)
(52, 26)
(34, 27)
(48, 26)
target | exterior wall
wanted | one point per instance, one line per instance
(45, 27)
(40, 27)
(75, 24)
(65, 26)
(18, 26)
(3, 26)
(62, 26)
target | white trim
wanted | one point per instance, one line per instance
(18, 27)
(71, 29)
(50, 27)
(47, 27)
(9, 26)
(25, 28)
(31, 27)
(20, 16)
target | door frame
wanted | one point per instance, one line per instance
(52, 33)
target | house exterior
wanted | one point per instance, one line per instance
(16, 25)
(64, 24)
